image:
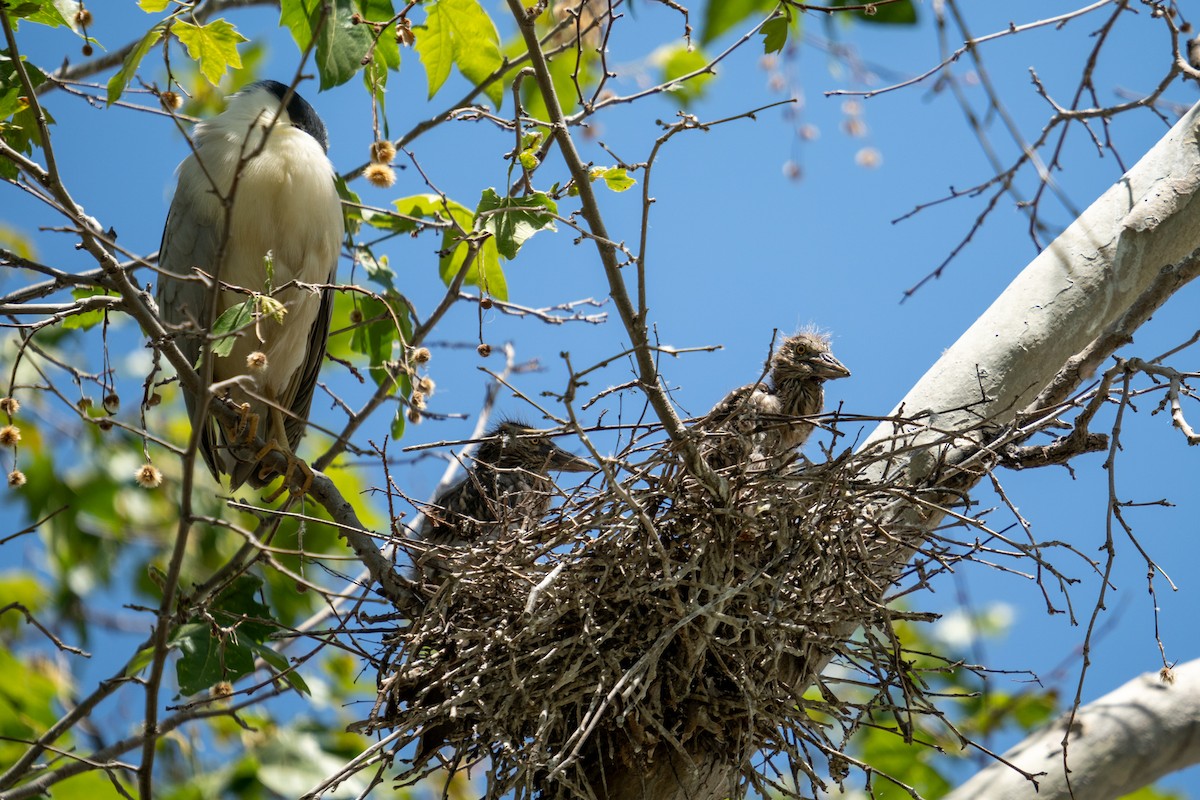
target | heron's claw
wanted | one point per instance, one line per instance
(296, 485)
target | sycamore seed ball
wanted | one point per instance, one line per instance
(380, 175)
(382, 152)
(10, 435)
(149, 477)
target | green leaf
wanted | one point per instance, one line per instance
(459, 33)
(206, 659)
(141, 659)
(213, 46)
(512, 220)
(901, 13)
(389, 222)
(387, 49)
(43, 12)
(232, 320)
(86, 319)
(677, 61)
(775, 33)
(29, 689)
(377, 269)
(484, 272)
(300, 17)
(290, 761)
(118, 82)
(281, 665)
(386, 319)
(16, 240)
(21, 133)
(723, 15)
(341, 46)
(208, 655)
(615, 178)
(352, 216)
(374, 338)
(152, 6)
(414, 208)
(565, 69)
(478, 51)
(18, 586)
(11, 89)
(435, 46)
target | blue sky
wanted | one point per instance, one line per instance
(737, 248)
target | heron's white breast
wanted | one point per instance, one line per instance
(285, 204)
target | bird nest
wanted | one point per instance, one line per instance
(648, 621)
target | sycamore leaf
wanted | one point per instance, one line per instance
(118, 82)
(775, 34)
(232, 320)
(86, 319)
(615, 178)
(459, 33)
(435, 46)
(141, 659)
(213, 46)
(512, 220)
(341, 46)
(300, 17)
(153, 6)
(280, 663)
(208, 656)
(678, 61)
(43, 12)
(723, 15)
(387, 49)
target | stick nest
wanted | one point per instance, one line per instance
(650, 621)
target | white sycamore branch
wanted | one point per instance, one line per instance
(1127, 739)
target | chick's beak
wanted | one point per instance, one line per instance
(562, 461)
(829, 368)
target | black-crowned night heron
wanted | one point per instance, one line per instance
(506, 489)
(255, 212)
(760, 426)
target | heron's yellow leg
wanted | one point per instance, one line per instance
(246, 428)
(297, 485)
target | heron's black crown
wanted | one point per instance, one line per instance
(303, 115)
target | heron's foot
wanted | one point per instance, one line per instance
(297, 478)
(246, 428)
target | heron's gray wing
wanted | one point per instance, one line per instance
(190, 239)
(318, 340)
